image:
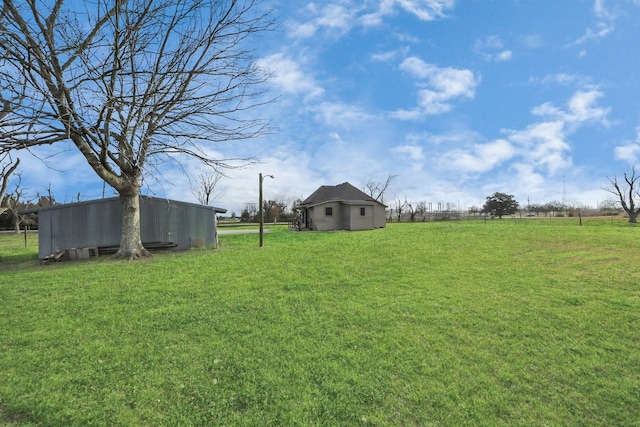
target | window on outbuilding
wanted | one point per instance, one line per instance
(363, 211)
(328, 211)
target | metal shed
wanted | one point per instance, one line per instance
(97, 223)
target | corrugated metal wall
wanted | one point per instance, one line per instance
(98, 223)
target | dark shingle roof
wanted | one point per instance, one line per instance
(342, 192)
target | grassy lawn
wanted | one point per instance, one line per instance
(512, 322)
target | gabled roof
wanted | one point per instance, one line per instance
(344, 192)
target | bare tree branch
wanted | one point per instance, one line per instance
(376, 189)
(205, 185)
(14, 203)
(131, 83)
(5, 173)
(627, 193)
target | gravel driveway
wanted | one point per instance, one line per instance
(221, 231)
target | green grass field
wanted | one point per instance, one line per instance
(512, 322)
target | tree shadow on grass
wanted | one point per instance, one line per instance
(17, 418)
(17, 261)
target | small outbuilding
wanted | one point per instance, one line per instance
(341, 207)
(98, 223)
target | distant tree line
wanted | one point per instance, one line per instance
(278, 210)
(496, 206)
(17, 200)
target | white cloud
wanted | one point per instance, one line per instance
(540, 146)
(455, 137)
(333, 18)
(602, 28)
(528, 177)
(338, 19)
(531, 41)
(601, 11)
(341, 115)
(385, 8)
(303, 30)
(630, 151)
(406, 38)
(413, 153)
(489, 42)
(442, 86)
(581, 109)
(239, 187)
(481, 158)
(389, 55)
(414, 114)
(491, 48)
(426, 10)
(63, 168)
(434, 102)
(543, 145)
(289, 77)
(559, 78)
(503, 56)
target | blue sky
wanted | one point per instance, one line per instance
(459, 99)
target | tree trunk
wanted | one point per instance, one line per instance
(633, 217)
(130, 240)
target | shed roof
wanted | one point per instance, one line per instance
(87, 202)
(344, 192)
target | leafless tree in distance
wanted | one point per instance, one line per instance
(132, 83)
(15, 202)
(400, 206)
(627, 193)
(8, 167)
(376, 189)
(204, 187)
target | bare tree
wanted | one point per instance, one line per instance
(627, 193)
(414, 210)
(205, 185)
(131, 83)
(249, 213)
(376, 189)
(15, 202)
(7, 170)
(46, 199)
(7, 165)
(474, 210)
(276, 208)
(422, 210)
(411, 209)
(400, 208)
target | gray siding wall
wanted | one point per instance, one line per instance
(79, 225)
(98, 223)
(322, 222)
(359, 222)
(346, 220)
(379, 216)
(347, 216)
(180, 223)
